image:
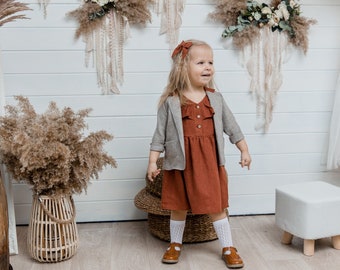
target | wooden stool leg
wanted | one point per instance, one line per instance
(286, 238)
(308, 247)
(336, 241)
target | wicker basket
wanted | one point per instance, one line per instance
(52, 232)
(198, 228)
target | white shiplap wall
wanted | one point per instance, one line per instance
(42, 61)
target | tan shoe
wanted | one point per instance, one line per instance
(172, 254)
(231, 258)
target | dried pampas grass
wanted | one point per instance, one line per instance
(135, 11)
(85, 25)
(49, 151)
(227, 11)
(8, 8)
(246, 37)
(301, 27)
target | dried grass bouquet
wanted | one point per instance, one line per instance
(8, 10)
(49, 151)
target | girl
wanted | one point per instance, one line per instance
(191, 120)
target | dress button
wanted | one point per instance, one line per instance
(197, 106)
(198, 116)
(199, 126)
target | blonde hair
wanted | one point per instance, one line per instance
(178, 79)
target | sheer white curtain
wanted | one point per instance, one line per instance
(13, 245)
(333, 159)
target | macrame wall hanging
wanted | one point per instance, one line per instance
(171, 20)
(263, 32)
(104, 27)
(43, 5)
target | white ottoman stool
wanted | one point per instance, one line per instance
(309, 210)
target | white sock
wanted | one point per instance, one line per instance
(222, 229)
(176, 231)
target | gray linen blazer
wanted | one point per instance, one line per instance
(169, 137)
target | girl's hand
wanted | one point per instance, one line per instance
(245, 159)
(152, 171)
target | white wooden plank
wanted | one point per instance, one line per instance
(315, 59)
(143, 126)
(89, 212)
(317, 80)
(285, 102)
(270, 144)
(73, 61)
(241, 181)
(284, 143)
(63, 38)
(247, 185)
(134, 127)
(139, 61)
(248, 204)
(252, 204)
(98, 190)
(294, 123)
(54, 39)
(102, 105)
(304, 102)
(115, 105)
(80, 84)
(324, 14)
(245, 203)
(287, 123)
(262, 164)
(148, 83)
(238, 185)
(277, 164)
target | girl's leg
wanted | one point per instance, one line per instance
(223, 231)
(222, 228)
(177, 225)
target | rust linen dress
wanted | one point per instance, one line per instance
(202, 187)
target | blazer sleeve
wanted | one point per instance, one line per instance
(230, 126)
(159, 136)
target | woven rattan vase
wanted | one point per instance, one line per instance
(52, 232)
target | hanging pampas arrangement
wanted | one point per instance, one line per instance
(8, 10)
(104, 27)
(171, 20)
(255, 28)
(43, 4)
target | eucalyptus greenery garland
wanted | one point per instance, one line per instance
(261, 14)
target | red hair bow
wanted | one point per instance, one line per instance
(182, 47)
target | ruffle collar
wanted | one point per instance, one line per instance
(189, 110)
